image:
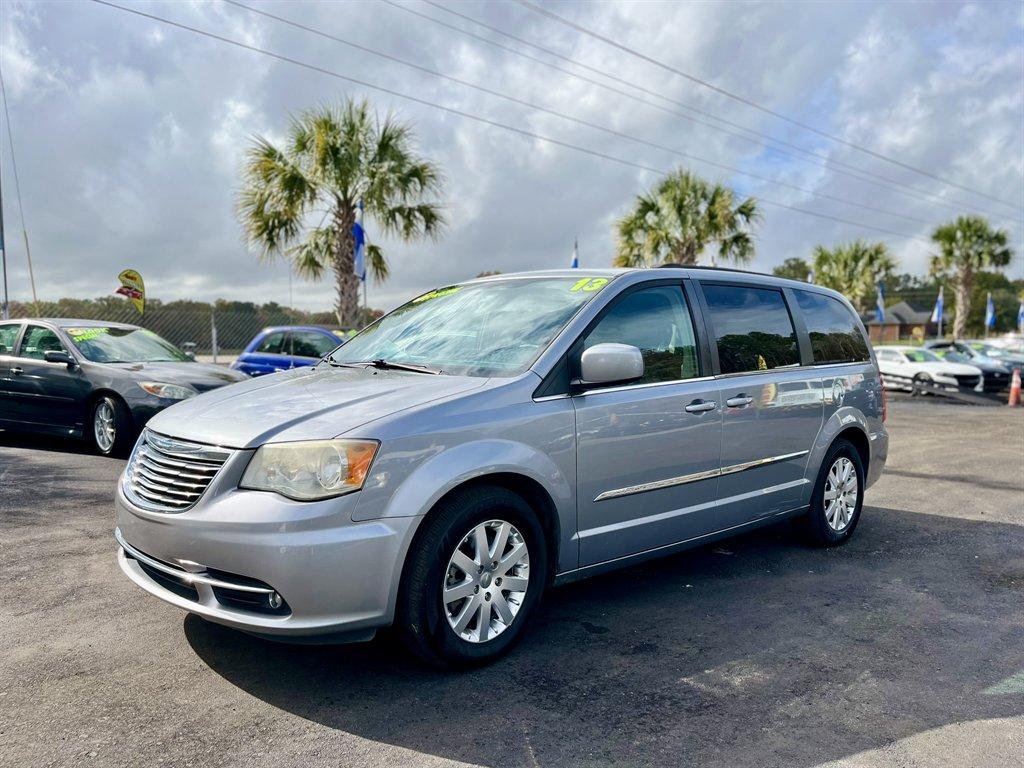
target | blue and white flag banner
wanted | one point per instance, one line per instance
(990, 312)
(1020, 316)
(575, 255)
(937, 312)
(810, 276)
(359, 235)
(880, 305)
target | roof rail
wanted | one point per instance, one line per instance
(671, 265)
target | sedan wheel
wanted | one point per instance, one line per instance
(841, 492)
(486, 581)
(104, 426)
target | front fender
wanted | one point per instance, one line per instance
(436, 475)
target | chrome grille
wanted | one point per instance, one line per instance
(169, 475)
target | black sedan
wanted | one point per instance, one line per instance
(94, 380)
(994, 372)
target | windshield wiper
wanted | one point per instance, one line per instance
(388, 365)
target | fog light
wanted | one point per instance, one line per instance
(275, 600)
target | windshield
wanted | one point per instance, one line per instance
(955, 357)
(494, 328)
(124, 345)
(989, 351)
(920, 356)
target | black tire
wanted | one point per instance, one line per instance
(123, 425)
(815, 524)
(921, 382)
(422, 619)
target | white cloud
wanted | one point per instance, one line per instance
(130, 134)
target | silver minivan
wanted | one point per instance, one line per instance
(490, 439)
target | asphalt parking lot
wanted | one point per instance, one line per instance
(903, 648)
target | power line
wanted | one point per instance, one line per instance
(578, 121)
(748, 134)
(471, 116)
(750, 102)
(17, 191)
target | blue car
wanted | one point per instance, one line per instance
(285, 347)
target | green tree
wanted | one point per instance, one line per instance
(680, 217)
(966, 246)
(298, 201)
(794, 268)
(854, 269)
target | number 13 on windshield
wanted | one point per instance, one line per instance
(590, 284)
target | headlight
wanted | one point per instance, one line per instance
(314, 469)
(167, 391)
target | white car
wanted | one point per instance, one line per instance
(914, 369)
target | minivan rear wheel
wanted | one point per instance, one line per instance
(837, 498)
(473, 578)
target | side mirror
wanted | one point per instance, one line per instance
(611, 364)
(59, 356)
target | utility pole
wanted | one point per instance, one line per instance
(6, 313)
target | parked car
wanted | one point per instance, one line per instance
(913, 369)
(486, 440)
(94, 380)
(285, 347)
(996, 375)
(1005, 357)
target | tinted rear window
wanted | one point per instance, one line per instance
(835, 333)
(271, 344)
(752, 328)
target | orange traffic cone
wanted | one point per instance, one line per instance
(1015, 388)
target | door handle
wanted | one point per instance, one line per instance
(699, 406)
(739, 400)
(17, 370)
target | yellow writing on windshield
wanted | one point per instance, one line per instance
(589, 284)
(79, 335)
(437, 294)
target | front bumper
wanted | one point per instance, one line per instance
(224, 557)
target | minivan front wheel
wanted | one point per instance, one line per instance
(838, 496)
(472, 578)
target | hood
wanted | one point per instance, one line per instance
(304, 404)
(989, 365)
(200, 376)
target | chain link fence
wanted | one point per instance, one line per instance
(221, 329)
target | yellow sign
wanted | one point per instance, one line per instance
(133, 288)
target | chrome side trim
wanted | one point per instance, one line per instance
(182, 575)
(696, 476)
(732, 469)
(668, 482)
(647, 385)
(615, 527)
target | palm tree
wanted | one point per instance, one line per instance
(299, 201)
(967, 245)
(794, 268)
(680, 217)
(854, 269)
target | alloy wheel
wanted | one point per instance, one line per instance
(486, 580)
(841, 492)
(103, 425)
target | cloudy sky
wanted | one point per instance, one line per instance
(129, 132)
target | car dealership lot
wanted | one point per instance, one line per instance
(905, 647)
